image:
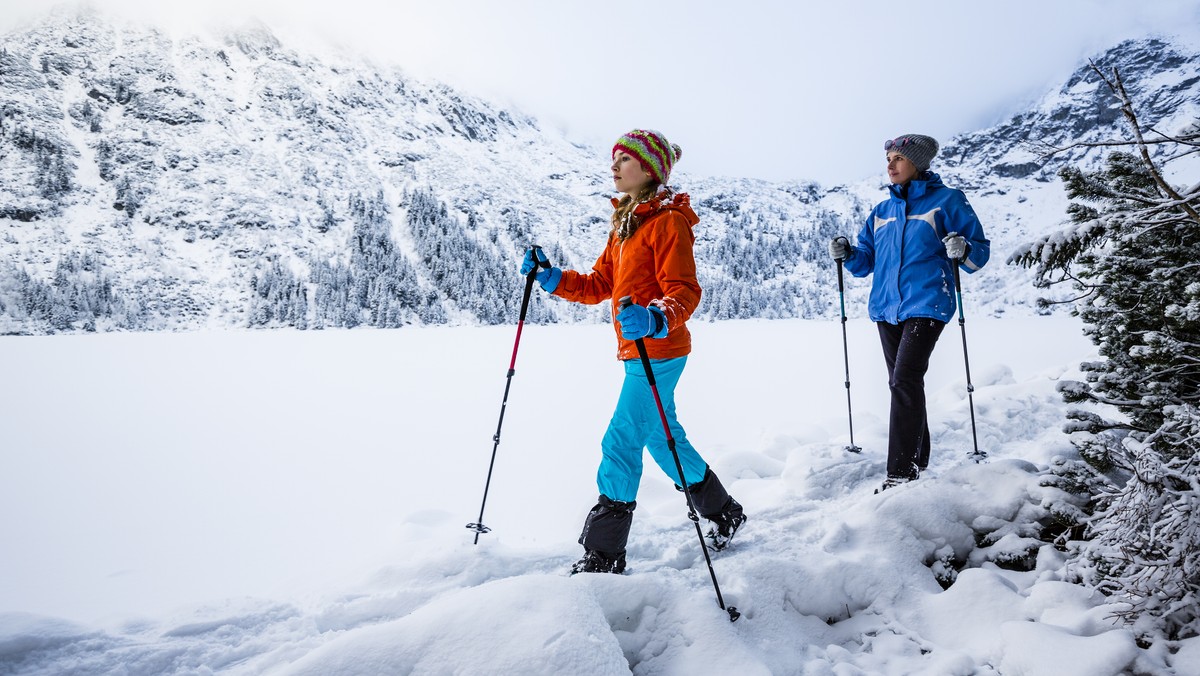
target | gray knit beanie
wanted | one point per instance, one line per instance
(920, 150)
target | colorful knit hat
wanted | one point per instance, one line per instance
(652, 150)
(920, 150)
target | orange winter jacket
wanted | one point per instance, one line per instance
(655, 266)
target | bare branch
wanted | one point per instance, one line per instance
(1046, 302)
(1189, 140)
(1118, 88)
(1047, 150)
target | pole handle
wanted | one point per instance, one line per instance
(623, 303)
(847, 244)
(540, 263)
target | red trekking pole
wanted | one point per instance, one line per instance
(478, 526)
(641, 347)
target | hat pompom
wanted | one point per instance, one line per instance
(678, 151)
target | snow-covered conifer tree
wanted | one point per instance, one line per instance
(1131, 251)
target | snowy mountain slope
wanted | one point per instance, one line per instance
(1161, 77)
(217, 155)
(151, 182)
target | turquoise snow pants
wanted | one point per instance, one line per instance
(635, 426)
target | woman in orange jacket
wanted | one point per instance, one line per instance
(648, 258)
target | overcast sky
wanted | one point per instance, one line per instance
(774, 89)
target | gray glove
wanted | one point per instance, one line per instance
(839, 248)
(956, 246)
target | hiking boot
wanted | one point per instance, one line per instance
(892, 482)
(725, 525)
(598, 562)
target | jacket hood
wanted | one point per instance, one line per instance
(665, 199)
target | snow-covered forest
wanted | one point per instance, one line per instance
(157, 183)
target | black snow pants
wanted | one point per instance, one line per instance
(906, 349)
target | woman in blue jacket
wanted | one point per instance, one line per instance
(910, 242)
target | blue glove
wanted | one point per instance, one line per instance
(547, 277)
(642, 322)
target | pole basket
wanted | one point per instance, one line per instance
(478, 528)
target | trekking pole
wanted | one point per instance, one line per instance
(841, 263)
(962, 322)
(478, 526)
(641, 348)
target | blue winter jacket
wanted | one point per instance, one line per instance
(901, 243)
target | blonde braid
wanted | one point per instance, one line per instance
(624, 223)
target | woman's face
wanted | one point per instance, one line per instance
(628, 174)
(900, 170)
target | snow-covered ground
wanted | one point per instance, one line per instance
(293, 503)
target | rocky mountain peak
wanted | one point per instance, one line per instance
(1163, 78)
